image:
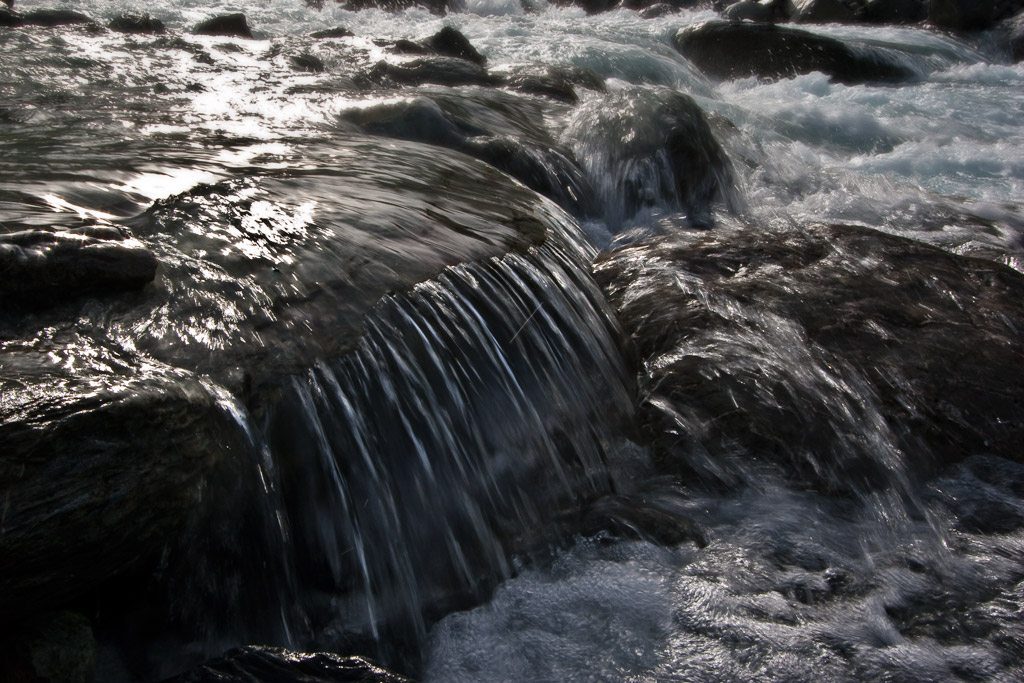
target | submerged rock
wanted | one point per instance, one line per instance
(57, 17)
(229, 25)
(556, 82)
(448, 71)
(277, 665)
(43, 266)
(781, 346)
(646, 148)
(742, 49)
(337, 32)
(128, 22)
(439, 7)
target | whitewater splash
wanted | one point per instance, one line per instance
(767, 443)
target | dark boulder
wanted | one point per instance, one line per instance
(962, 15)
(307, 62)
(895, 11)
(1016, 39)
(230, 25)
(43, 266)
(449, 42)
(840, 354)
(56, 17)
(104, 463)
(54, 647)
(9, 17)
(647, 148)
(525, 153)
(743, 49)
(128, 22)
(824, 12)
(277, 665)
(337, 32)
(438, 7)
(589, 6)
(448, 71)
(769, 11)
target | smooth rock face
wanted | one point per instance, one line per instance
(277, 665)
(104, 461)
(232, 25)
(769, 343)
(742, 49)
(42, 266)
(450, 43)
(490, 126)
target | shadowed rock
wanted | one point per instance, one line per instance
(231, 25)
(526, 153)
(135, 23)
(42, 266)
(448, 71)
(51, 18)
(824, 12)
(776, 347)
(337, 32)
(438, 7)
(277, 665)
(742, 49)
(104, 462)
(449, 42)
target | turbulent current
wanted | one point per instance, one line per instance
(560, 347)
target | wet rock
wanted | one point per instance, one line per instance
(232, 25)
(53, 647)
(277, 665)
(43, 266)
(269, 273)
(449, 42)
(307, 62)
(962, 15)
(740, 50)
(438, 7)
(1016, 38)
(104, 461)
(777, 347)
(56, 17)
(824, 12)
(447, 71)
(658, 10)
(527, 154)
(589, 6)
(556, 82)
(645, 148)
(895, 11)
(769, 11)
(9, 17)
(337, 32)
(128, 22)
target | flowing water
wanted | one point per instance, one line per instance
(431, 474)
